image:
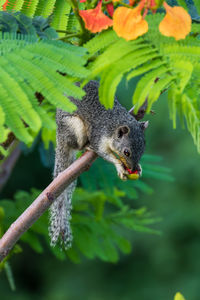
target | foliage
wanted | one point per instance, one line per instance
(164, 64)
(197, 5)
(16, 22)
(158, 265)
(100, 213)
(59, 10)
(35, 68)
(32, 68)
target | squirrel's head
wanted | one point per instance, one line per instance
(129, 142)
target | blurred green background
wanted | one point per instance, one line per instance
(158, 266)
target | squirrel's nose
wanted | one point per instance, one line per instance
(137, 168)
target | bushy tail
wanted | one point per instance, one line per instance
(60, 210)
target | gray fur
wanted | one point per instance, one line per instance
(99, 131)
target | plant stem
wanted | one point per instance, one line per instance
(68, 36)
(64, 31)
(9, 163)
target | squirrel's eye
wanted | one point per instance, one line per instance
(126, 152)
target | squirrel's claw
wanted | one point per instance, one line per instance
(122, 173)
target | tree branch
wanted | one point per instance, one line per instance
(43, 202)
(46, 198)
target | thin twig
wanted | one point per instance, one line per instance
(43, 202)
(64, 31)
(68, 36)
(7, 166)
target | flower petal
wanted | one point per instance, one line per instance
(128, 23)
(5, 5)
(95, 20)
(131, 2)
(176, 23)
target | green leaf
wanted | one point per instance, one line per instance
(9, 275)
(45, 8)
(197, 5)
(113, 75)
(61, 16)
(101, 41)
(59, 254)
(31, 67)
(123, 244)
(114, 53)
(33, 241)
(109, 250)
(150, 65)
(182, 3)
(29, 7)
(184, 70)
(157, 88)
(73, 256)
(145, 84)
(20, 99)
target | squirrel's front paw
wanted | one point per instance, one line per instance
(122, 173)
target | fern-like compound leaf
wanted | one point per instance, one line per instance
(101, 41)
(164, 63)
(145, 85)
(112, 76)
(61, 16)
(28, 67)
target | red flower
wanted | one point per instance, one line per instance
(4, 5)
(95, 20)
(110, 9)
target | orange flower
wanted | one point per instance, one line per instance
(94, 19)
(4, 5)
(176, 23)
(131, 2)
(128, 23)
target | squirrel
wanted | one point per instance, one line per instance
(114, 134)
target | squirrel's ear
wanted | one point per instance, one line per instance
(122, 130)
(144, 125)
(141, 111)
